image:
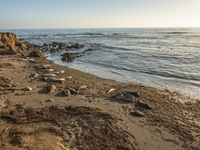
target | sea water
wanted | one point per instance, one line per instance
(165, 58)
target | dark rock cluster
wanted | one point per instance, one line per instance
(59, 46)
(73, 51)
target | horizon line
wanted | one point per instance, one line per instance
(43, 28)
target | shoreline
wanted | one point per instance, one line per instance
(48, 106)
(182, 97)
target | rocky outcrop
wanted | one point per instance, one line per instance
(73, 50)
(8, 40)
(59, 46)
(77, 46)
(69, 57)
(11, 45)
(55, 47)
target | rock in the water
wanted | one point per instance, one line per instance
(55, 47)
(89, 50)
(68, 57)
(77, 46)
(59, 46)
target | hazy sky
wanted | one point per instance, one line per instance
(99, 13)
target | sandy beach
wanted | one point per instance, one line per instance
(47, 106)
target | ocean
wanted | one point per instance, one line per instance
(165, 58)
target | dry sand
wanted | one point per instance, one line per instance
(90, 117)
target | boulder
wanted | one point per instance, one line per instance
(77, 46)
(55, 46)
(10, 44)
(89, 50)
(68, 57)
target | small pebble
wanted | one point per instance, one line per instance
(28, 89)
(137, 113)
(50, 100)
(61, 80)
(49, 75)
(62, 71)
(50, 70)
(47, 66)
(83, 87)
(111, 90)
(36, 75)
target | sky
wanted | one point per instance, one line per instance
(29, 14)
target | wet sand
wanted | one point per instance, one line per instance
(39, 110)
